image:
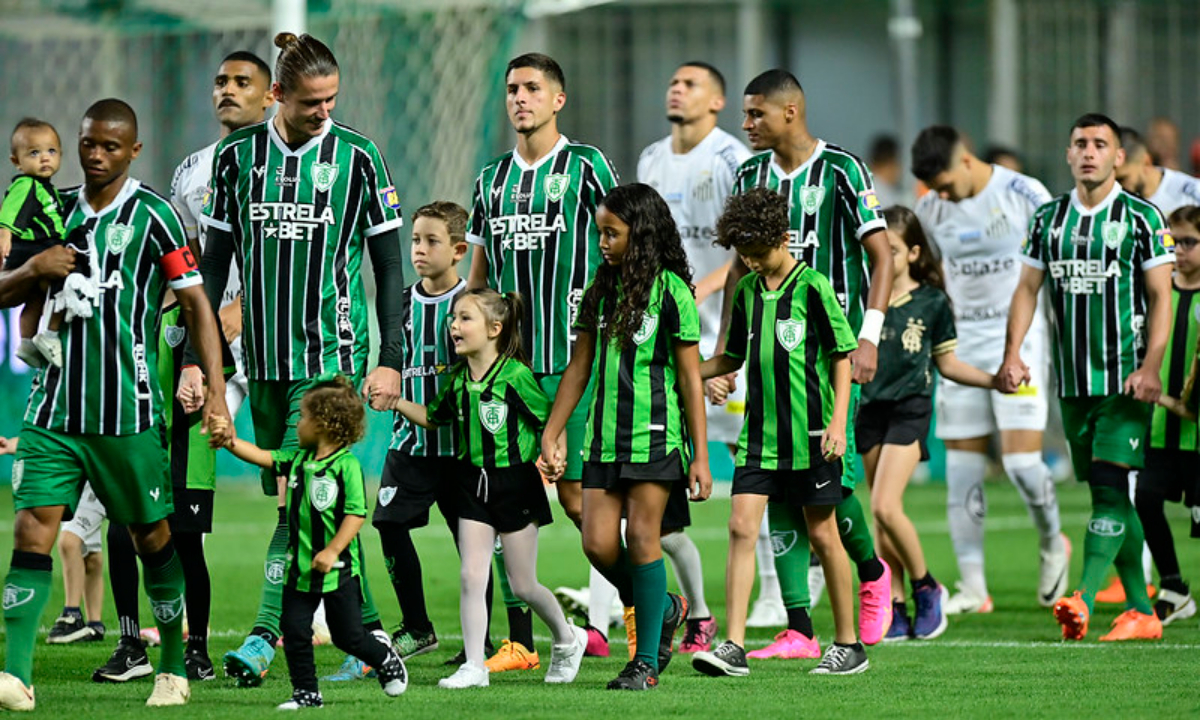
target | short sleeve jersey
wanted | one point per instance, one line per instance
(497, 419)
(320, 494)
(31, 210)
(1168, 430)
(428, 359)
(637, 413)
(300, 219)
(1094, 259)
(787, 338)
(108, 383)
(696, 185)
(537, 227)
(189, 188)
(1176, 190)
(918, 327)
(832, 205)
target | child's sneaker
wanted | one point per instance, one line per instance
(29, 354)
(393, 676)
(50, 347)
(698, 635)
(728, 659)
(1133, 625)
(637, 675)
(875, 607)
(929, 621)
(565, 659)
(789, 645)
(673, 618)
(410, 643)
(901, 628)
(842, 660)
(302, 699)
(597, 644)
(513, 656)
(467, 675)
(1072, 614)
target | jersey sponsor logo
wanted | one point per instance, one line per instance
(282, 179)
(574, 300)
(556, 186)
(174, 335)
(811, 197)
(18, 473)
(493, 414)
(980, 268)
(386, 494)
(273, 571)
(167, 610)
(1113, 233)
(1165, 239)
(322, 493)
(527, 232)
(390, 197)
(789, 333)
(1106, 527)
(868, 199)
(782, 541)
(15, 596)
(117, 237)
(1083, 277)
(912, 336)
(796, 246)
(422, 371)
(290, 221)
(324, 175)
(649, 323)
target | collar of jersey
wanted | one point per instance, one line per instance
(1108, 200)
(523, 166)
(783, 286)
(488, 376)
(287, 151)
(131, 186)
(419, 294)
(817, 150)
(311, 455)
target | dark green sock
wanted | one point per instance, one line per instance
(270, 604)
(163, 581)
(855, 531)
(789, 537)
(26, 592)
(511, 601)
(1106, 532)
(1129, 563)
(649, 604)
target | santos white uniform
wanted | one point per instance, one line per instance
(695, 186)
(1176, 190)
(188, 189)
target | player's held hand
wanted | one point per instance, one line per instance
(56, 262)
(1144, 385)
(863, 362)
(700, 482)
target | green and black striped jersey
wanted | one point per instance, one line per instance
(321, 493)
(918, 327)
(300, 220)
(498, 419)
(1168, 430)
(428, 359)
(1094, 259)
(108, 383)
(31, 210)
(536, 224)
(787, 338)
(832, 202)
(637, 413)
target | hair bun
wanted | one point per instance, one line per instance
(284, 40)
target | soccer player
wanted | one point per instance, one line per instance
(534, 232)
(836, 229)
(297, 200)
(1167, 189)
(1108, 257)
(976, 214)
(693, 169)
(100, 415)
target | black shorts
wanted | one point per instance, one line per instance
(820, 485)
(193, 511)
(894, 422)
(508, 499)
(1173, 474)
(23, 251)
(618, 476)
(411, 484)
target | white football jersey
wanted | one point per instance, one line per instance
(980, 243)
(1175, 191)
(695, 186)
(188, 188)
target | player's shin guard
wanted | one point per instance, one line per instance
(270, 605)
(1036, 485)
(1129, 564)
(26, 592)
(790, 540)
(1107, 528)
(164, 584)
(966, 508)
(649, 603)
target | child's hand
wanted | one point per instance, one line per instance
(5, 243)
(833, 441)
(700, 482)
(551, 464)
(325, 561)
(8, 446)
(718, 389)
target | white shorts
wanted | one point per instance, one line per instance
(968, 412)
(88, 521)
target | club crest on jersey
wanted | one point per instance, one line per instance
(789, 332)
(1165, 239)
(117, 237)
(649, 323)
(810, 198)
(493, 414)
(911, 338)
(386, 494)
(1113, 233)
(174, 335)
(391, 198)
(868, 199)
(322, 493)
(324, 175)
(556, 186)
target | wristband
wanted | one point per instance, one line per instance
(872, 326)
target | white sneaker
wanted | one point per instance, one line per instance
(1052, 580)
(767, 613)
(13, 693)
(50, 348)
(816, 583)
(467, 675)
(1172, 606)
(565, 659)
(169, 690)
(965, 602)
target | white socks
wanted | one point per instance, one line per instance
(685, 559)
(966, 508)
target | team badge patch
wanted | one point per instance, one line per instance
(649, 323)
(556, 186)
(167, 610)
(324, 175)
(117, 237)
(206, 199)
(1165, 239)
(174, 335)
(782, 541)
(493, 414)
(322, 493)
(868, 199)
(1106, 527)
(16, 596)
(386, 494)
(273, 571)
(810, 198)
(1113, 234)
(789, 332)
(390, 197)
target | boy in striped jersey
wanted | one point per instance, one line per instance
(834, 226)
(1108, 255)
(101, 415)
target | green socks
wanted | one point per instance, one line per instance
(649, 604)
(26, 592)
(164, 586)
(1112, 529)
(790, 540)
(855, 530)
(270, 605)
